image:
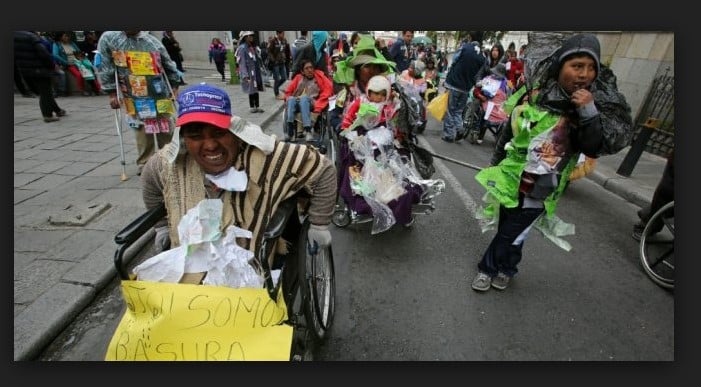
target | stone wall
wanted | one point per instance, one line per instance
(637, 58)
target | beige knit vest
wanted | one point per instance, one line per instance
(271, 179)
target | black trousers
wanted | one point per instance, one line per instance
(220, 68)
(502, 255)
(20, 82)
(254, 100)
(47, 102)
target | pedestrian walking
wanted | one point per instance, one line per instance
(461, 77)
(217, 54)
(578, 109)
(278, 56)
(36, 66)
(250, 74)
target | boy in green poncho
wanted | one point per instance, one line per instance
(576, 109)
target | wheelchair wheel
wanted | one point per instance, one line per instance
(341, 214)
(657, 248)
(318, 286)
(341, 218)
(470, 119)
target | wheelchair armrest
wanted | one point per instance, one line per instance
(277, 222)
(132, 233)
(138, 227)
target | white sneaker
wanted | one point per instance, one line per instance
(308, 136)
(500, 281)
(481, 282)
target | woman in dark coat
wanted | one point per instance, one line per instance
(36, 65)
(250, 63)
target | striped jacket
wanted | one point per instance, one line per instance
(272, 178)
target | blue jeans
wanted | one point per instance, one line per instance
(452, 121)
(502, 255)
(303, 105)
(280, 76)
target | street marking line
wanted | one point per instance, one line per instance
(465, 197)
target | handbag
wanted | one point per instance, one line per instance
(438, 106)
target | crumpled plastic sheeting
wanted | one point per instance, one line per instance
(167, 266)
(539, 54)
(554, 229)
(201, 223)
(488, 217)
(380, 136)
(205, 249)
(387, 187)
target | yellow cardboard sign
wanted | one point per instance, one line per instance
(168, 321)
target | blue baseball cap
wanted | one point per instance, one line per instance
(204, 103)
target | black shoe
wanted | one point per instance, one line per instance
(291, 131)
(638, 231)
(446, 139)
(61, 113)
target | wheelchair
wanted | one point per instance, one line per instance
(657, 247)
(475, 126)
(324, 134)
(409, 117)
(307, 273)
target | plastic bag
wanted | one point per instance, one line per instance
(438, 106)
(423, 161)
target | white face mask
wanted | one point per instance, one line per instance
(230, 180)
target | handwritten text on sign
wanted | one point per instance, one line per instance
(166, 321)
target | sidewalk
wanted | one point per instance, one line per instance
(69, 202)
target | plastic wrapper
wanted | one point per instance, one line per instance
(205, 248)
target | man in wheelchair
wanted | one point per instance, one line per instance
(307, 94)
(228, 158)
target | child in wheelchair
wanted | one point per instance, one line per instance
(376, 174)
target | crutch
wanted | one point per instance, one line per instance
(118, 120)
(164, 75)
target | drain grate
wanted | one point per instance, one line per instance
(78, 215)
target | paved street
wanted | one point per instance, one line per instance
(69, 203)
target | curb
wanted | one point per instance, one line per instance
(621, 187)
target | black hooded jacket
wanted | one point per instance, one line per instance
(607, 132)
(31, 56)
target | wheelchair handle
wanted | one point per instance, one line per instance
(129, 234)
